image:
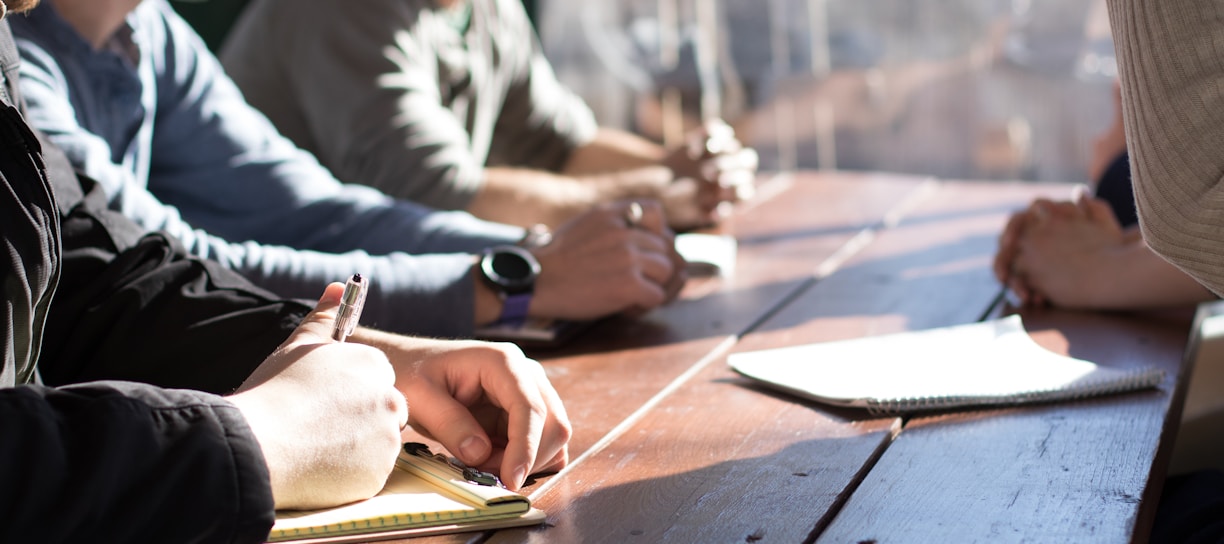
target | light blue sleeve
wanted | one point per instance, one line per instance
(228, 170)
(219, 164)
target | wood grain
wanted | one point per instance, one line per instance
(1086, 471)
(610, 375)
(720, 460)
(611, 371)
(671, 446)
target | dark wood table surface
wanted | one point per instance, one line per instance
(671, 446)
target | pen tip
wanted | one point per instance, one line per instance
(357, 278)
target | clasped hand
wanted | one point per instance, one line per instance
(711, 169)
(1059, 252)
(598, 264)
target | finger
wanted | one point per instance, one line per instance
(556, 463)
(526, 413)
(744, 160)
(1008, 241)
(1001, 267)
(652, 217)
(1068, 209)
(450, 422)
(714, 137)
(643, 296)
(552, 452)
(1101, 213)
(651, 295)
(318, 324)
(654, 259)
(1021, 290)
(679, 277)
(711, 195)
(732, 181)
(1040, 211)
(729, 170)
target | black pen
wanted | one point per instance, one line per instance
(351, 303)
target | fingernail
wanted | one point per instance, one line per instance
(519, 476)
(472, 449)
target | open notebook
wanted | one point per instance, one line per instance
(424, 495)
(989, 363)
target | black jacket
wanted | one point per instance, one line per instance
(94, 445)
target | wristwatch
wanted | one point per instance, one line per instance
(511, 271)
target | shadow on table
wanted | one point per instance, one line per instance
(938, 285)
(780, 497)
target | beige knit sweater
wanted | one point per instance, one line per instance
(1171, 62)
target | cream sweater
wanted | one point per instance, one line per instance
(1171, 64)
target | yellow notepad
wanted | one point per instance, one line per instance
(422, 496)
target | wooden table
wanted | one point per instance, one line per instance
(670, 445)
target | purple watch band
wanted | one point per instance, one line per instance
(514, 308)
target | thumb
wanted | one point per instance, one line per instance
(318, 324)
(1100, 212)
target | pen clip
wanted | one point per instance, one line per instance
(351, 303)
(469, 474)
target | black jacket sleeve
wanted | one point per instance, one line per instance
(109, 462)
(125, 462)
(134, 306)
(119, 461)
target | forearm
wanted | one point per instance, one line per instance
(1135, 277)
(527, 197)
(614, 150)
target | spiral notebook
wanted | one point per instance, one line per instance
(423, 496)
(981, 364)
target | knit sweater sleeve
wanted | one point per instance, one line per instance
(1171, 66)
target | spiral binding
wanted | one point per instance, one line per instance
(1135, 380)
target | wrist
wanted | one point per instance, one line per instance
(487, 305)
(510, 273)
(537, 236)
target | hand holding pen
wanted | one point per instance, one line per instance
(321, 408)
(351, 303)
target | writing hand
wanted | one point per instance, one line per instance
(326, 414)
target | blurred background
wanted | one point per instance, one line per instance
(982, 89)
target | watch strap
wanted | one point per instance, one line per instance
(514, 308)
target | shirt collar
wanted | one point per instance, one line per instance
(122, 44)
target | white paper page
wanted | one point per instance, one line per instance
(990, 359)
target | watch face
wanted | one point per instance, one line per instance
(511, 268)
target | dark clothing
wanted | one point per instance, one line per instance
(119, 461)
(1191, 509)
(1115, 188)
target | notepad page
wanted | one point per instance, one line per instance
(404, 502)
(708, 254)
(417, 494)
(982, 363)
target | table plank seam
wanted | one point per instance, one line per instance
(620, 429)
(842, 498)
(853, 246)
